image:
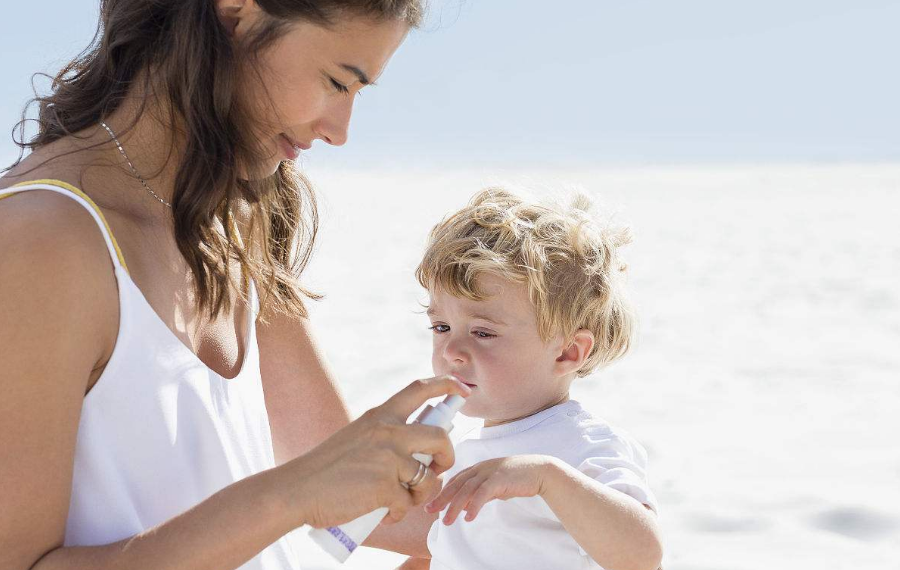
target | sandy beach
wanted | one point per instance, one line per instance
(764, 383)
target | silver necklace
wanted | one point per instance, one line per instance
(133, 169)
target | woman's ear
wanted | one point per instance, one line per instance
(573, 356)
(237, 16)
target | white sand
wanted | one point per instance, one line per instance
(765, 384)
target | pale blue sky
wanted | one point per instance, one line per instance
(515, 82)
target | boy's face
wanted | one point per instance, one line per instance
(494, 346)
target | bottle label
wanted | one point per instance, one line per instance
(348, 542)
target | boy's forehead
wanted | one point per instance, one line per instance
(505, 302)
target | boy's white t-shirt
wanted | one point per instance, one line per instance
(524, 533)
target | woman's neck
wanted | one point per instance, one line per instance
(150, 147)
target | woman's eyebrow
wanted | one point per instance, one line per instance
(363, 78)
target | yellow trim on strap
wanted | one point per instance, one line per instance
(85, 197)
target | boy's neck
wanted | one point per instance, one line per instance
(556, 402)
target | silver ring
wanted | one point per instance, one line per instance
(419, 476)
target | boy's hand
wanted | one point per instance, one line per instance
(501, 478)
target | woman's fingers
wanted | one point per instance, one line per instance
(428, 440)
(402, 404)
(399, 506)
(426, 488)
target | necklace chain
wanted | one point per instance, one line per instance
(133, 169)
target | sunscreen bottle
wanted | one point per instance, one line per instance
(341, 541)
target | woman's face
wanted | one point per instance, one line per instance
(307, 81)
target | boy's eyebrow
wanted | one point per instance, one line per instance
(488, 319)
(363, 78)
(432, 311)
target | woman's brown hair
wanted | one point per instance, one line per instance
(197, 65)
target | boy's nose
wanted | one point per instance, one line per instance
(454, 352)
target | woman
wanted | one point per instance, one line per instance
(148, 418)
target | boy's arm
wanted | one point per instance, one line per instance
(617, 531)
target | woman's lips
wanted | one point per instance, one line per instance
(291, 151)
(291, 147)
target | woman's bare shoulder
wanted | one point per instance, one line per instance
(56, 269)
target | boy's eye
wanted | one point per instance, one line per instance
(437, 329)
(483, 334)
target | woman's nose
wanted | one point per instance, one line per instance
(334, 126)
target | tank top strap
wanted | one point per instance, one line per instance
(74, 193)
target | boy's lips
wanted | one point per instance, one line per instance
(464, 381)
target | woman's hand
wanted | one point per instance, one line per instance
(362, 467)
(501, 478)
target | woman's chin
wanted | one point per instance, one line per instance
(261, 173)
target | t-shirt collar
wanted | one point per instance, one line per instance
(527, 422)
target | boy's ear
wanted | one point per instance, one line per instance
(573, 356)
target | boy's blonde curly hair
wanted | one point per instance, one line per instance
(568, 261)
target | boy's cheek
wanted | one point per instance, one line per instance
(439, 366)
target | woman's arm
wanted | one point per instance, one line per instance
(415, 564)
(58, 323)
(220, 533)
(303, 400)
(305, 407)
(409, 536)
(354, 472)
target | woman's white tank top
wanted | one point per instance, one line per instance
(160, 431)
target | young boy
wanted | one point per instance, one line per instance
(524, 298)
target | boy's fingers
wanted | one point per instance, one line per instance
(452, 480)
(461, 499)
(484, 494)
(449, 491)
(457, 480)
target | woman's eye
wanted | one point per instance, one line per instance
(482, 334)
(339, 86)
(439, 328)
